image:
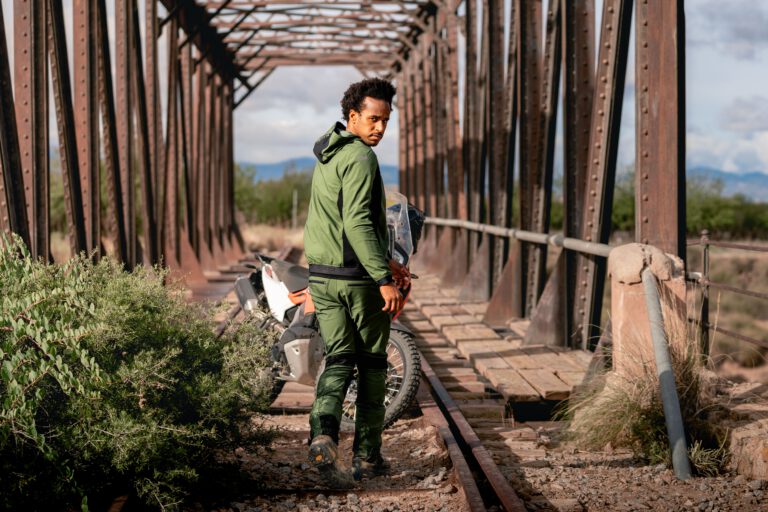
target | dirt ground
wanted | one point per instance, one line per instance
(566, 479)
(420, 477)
(571, 480)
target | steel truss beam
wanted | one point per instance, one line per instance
(158, 185)
(167, 169)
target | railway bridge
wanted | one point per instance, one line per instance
(143, 95)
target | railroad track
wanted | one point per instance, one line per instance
(471, 418)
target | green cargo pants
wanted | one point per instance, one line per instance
(355, 331)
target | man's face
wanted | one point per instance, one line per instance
(371, 122)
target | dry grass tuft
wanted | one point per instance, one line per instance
(626, 410)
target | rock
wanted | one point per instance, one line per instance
(447, 489)
(755, 485)
(289, 504)
(321, 498)
(739, 479)
(567, 505)
(304, 466)
(353, 499)
(688, 503)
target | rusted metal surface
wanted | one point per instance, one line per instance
(578, 83)
(542, 195)
(124, 120)
(156, 162)
(432, 413)
(507, 299)
(146, 178)
(31, 99)
(660, 115)
(65, 120)
(504, 492)
(86, 110)
(529, 86)
(548, 319)
(173, 147)
(13, 212)
(603, 148)
(114, 185)
(498, 140)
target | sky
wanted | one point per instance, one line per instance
(726, 107)
(726, 104)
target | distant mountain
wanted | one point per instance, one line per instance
(271, 171)
(753, 185)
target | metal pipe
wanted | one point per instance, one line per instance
(672, 416)
(704, 324)
(557, 240)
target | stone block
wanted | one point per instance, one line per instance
(632, 344)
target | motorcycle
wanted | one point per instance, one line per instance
(278, 295)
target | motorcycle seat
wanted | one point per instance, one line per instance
(294, 276)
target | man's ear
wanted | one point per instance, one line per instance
(353, 115)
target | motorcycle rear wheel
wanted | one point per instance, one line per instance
(403, 374)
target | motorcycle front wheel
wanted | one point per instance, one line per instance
(403, 374)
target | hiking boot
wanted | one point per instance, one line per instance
(323, 451)
(323, 454)
(367, 468)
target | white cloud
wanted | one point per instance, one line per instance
(731, 155)
(746, 115)
(292, 108)
(737, 27)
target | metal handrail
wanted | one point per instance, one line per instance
(671, 402)
(556, 240)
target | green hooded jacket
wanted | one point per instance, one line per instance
(345, 236)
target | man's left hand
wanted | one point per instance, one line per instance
(400, 274)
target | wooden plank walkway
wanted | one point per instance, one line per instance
(520, 373)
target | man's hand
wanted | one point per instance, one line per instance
(393, 300)
(400, 274)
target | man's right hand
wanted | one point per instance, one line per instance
(393, 300)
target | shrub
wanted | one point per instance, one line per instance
(112, 384)
(271, 201)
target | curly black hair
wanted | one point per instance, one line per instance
(377, 88)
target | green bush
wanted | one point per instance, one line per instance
(112, 384)
(271, 201)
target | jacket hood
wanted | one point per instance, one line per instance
(332, 141)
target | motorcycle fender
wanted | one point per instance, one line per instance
(303, 359)
(397, 326)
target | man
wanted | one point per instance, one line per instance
(352, 279)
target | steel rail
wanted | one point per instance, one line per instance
(505, 494)
(557, 240)
(466, 481)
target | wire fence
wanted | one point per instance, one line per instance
(703, 281)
